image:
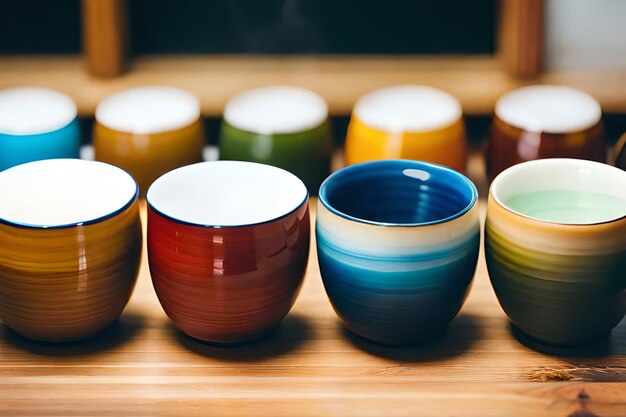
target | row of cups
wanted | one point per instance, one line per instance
(397, 245)
(149, 131)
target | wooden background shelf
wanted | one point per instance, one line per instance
(476, 81)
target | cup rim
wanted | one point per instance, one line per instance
(237, 110)
(519, 119)
(205, 225)
(407, 164)
(550, 161)
(107, 111)
(67, 112)
(370, 112)
(88, 222)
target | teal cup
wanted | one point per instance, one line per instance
(35, 124)
(286, 127)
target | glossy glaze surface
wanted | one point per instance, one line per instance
(397, 244)
(148, 156)
(560, 283)
(149, 131)
(19, 149)
(286, 127)
(228, 285)
(407, 122)
(36, 123)
(219, 281)
(67, 282)
(509, 145)
(305, 154)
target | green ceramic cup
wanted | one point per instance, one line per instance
(286, 127)
(555, 245)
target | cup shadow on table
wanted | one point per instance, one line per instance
(615, 344)
(293, 332)
(458, 338)
(122, 330)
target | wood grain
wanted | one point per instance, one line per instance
(521, 37)
(477, 82)
(143, 366)
(104, 36)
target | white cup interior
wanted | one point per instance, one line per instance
(549, 108)
(410, 108)
(564, 175)
(148, 110)
(34, 110)
(275, 110)
(226, 193)
(63, 192)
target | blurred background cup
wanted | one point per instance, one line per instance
(149, 131)
(228, 245)
(555, 244)
(70, 246)
(544, 121)
(407, 122)
(283, 126)
(397, 244)
(36, 123)
(620, 153)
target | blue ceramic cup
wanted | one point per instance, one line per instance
(36, 123)
(397, 243)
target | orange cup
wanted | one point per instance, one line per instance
(407, 122)
(149, 131)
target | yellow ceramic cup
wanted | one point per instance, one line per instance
(70, 246)
(149, 131)
(407, 122)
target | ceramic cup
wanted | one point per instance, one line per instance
(70, 246)
(228, 244)
(407, 122)
(36, 123)
(286, 127)
(149, 131)
(397, 243)
(555, 245)
(620, 153)
(544, 122)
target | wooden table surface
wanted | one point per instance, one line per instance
(143, 366)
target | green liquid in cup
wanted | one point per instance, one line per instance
(569, 206)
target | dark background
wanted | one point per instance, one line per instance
(263, 26)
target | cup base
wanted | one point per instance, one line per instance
(61, 340)
(540, 344)
(423, 337)
(234, 342)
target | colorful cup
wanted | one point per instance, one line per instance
(286, 127)
(397, 243)
(544, 121)
(149, 131)
(36, 123)
(70, 246)
(228, 244)
(407, 122)
(555, 244)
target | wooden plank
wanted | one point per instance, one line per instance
(104, 36)
(477, 82)
(521, 37)
(143, 366)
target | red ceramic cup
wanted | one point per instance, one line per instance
(228, 245)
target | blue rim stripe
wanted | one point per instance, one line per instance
(84, 223)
